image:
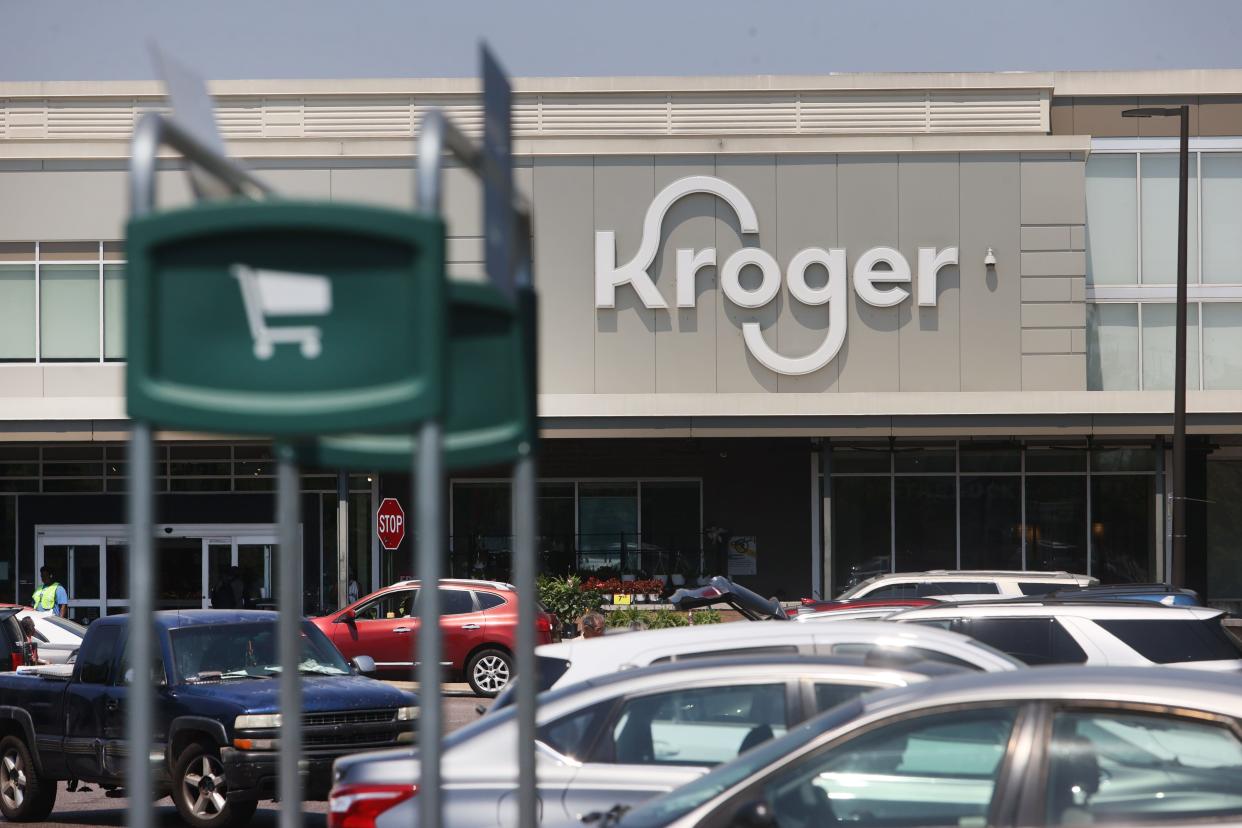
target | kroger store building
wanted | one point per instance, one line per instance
(838, 325)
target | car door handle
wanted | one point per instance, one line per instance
(401, 629)
(469, 626)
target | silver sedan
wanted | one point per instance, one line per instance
(621, 738)
(1053, 746)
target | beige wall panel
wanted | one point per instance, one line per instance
(1078, 237)
(1046, 289)
(462, 202)
(625, 334)
(1220, 115)
(1054, 315)
(1046, 238)
(867, 206)
(806, 210)
(564, 203)
(930, 357)
(1101, 117)
(736, 369)
(1166, 127)
(389, 187)
(1054, 372)
(685, 338)
(308, 184)
(1054, 263)
(106, 380)
(21, 381)
(50, 206)
(1061, 116)
(1053, 192)
(1050, 341)
(991, 300)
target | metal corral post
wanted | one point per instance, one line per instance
(342, 539)
(289, 632)
(140, 718)
(526, 562)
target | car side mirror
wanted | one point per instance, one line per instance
(346, 617)
(755, 814)
(365, 664)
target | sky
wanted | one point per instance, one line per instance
(95, 40)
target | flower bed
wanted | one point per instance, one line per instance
(616, 586)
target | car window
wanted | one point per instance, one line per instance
(489, 600)
(1116, 767)
(694, 726)
(901, 589)
(573, 735)
(932, 589)
(828, 696)
(939, 769)
(66, 625)
(774, 649)
(95, 661)
(395, 604)
(897, 655)
(455, 601)
(1041, 588)
(1168, 641)
(1030, 640)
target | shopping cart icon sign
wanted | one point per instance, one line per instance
(270, 294)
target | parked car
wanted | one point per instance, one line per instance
(624, 737)
(956, 584)
(810, 605)
(580, 659)
(478, 622)
(216, 716)
(1057, 746)
(879, 611)
(1170, 596)
(15, 652)
(1079, 632)
(57, 639)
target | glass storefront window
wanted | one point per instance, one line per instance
(8, 548)
(1056, 459)
(1112, 225)
(924, 460)
(1056, 522)
(607, 525)
(926, 531)
(481, 530)
(861, 529)
(1159, 194)
(17, 312)
(1224, 527)
(670, 527)
(984, 458)
(69, 312)
(1123, 528)
(861, 460)
(114, 311)
(1222, 215)
(1123, 458)
(991, 520)
(1222, 342)
(1159, 328)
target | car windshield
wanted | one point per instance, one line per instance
(214, 652)
(66, 625)
(685, 799)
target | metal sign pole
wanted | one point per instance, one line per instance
(426, 475)
(289, 632)
(152, 132)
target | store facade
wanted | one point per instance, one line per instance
(802, 330)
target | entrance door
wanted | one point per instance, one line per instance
(74, 564)
(254, 559)
(180, 573)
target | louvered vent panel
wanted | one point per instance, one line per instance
(4, 118)
(27, 119)
(986, 112)
(282, 118)
(381, 117)
(94, 118)
(733, 113)
(240, 117)
(898, 112)
(526, 110)
(605, 114)
(464, 110)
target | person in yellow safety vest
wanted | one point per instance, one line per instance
(51, 598)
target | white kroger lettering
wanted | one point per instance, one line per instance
(868, 280)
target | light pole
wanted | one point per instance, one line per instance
(1178, 576)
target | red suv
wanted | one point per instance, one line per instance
(478, 621)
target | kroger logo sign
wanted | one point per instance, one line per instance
(881, 287)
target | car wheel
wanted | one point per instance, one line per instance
(25, 796)
(200, 791)
(489, 671)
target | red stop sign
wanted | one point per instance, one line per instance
(390, 523)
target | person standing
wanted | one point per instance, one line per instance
(51, 598)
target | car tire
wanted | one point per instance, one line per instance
(25, 796)
(199, 791)
(489, 671)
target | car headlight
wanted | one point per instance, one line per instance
(267, 721)
(407, 714)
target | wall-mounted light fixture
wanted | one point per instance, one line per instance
(990, 259)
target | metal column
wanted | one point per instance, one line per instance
(342, 539)
(140, 720)
(289, 632)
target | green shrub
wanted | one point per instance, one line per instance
(662, 619)
(566, 598)
(625, 617)
(705, 616)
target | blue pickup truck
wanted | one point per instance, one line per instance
(217, 719)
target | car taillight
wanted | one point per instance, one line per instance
(357, 806)
(17, 660)
(543, 624)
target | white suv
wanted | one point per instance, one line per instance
(1105, 633)
(965, 584)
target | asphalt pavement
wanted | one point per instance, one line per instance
(93, 808)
